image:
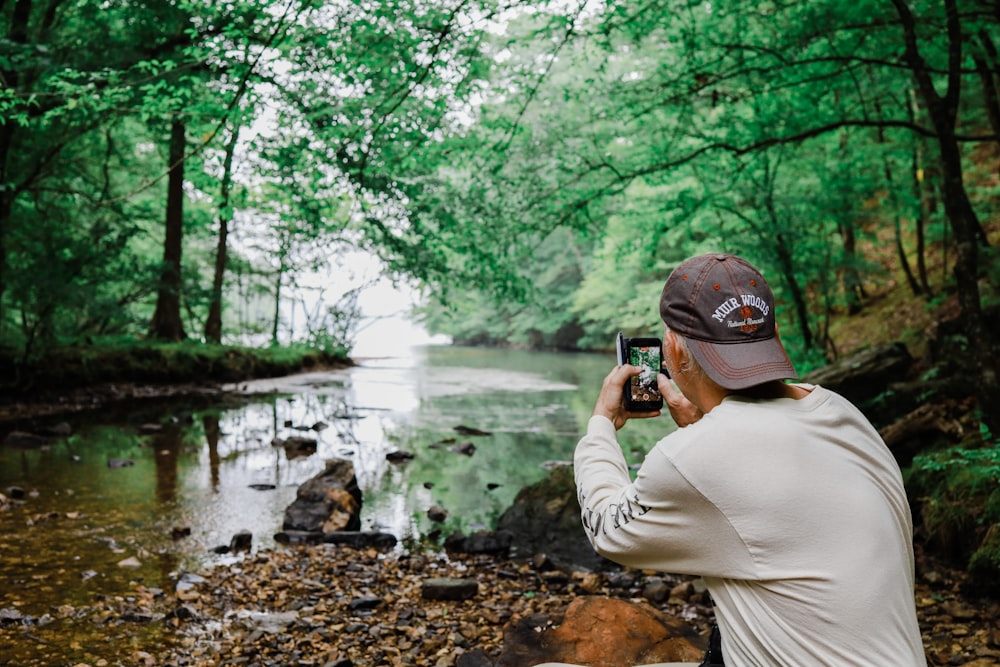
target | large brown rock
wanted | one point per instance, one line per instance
(329, 502)
(602, 632)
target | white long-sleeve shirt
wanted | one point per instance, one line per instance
(793, 511)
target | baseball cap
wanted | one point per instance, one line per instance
(724, 308)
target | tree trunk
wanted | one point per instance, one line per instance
(213, 326)
(798, 295)
(920, 219)
(784, 253)
(982, 360)
(849, 276)
(903, 262)
(6, 206)
(167, 324)
(925, 179)
(986, 66)
(897, 207)
(17, 33)
(277, 305)
(853, 289)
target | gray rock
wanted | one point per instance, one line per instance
(481, 542)
(545, 519)
(655, 590)
(241, 541)
(272, 622)
(365, 603)
(10, 616)
(189, 580)
(448, 588)
(350, 538)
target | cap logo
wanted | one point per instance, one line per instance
(748, 301)
(748, 325)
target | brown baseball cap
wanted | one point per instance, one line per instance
(724, 308)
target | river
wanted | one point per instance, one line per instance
(137, 498)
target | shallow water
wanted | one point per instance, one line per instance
(88, 529)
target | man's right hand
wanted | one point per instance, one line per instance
(681, 409)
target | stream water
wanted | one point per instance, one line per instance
(133, 499)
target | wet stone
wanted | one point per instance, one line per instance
(189, 580)
(655, 590)
(10, 616)
(464, 448)
(241, 541)
(366, 603)
(180, 532)
(449, 588)
(481, 542)
(183, 612)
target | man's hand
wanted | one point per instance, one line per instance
(610, 402)
(681, 409)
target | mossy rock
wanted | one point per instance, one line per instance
(984, 566)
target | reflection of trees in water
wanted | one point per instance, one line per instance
(243, 438)
(210, 422)
(166, 446)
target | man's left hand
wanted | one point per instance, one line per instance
(611, 401)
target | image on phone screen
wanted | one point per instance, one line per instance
(642, 387)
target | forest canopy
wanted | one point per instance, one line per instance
(171, 170)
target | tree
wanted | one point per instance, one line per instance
(167, 323)
(697, 82)
(213, 325)
(943, 111)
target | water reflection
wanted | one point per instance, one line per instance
(210, 422)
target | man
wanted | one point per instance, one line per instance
(782, 496)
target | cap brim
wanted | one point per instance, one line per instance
(742, 365)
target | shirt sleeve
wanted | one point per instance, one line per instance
(661, 520)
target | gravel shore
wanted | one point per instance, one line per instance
(333, 606)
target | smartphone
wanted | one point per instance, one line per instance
(641, 392)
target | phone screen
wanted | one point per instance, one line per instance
(642, 387)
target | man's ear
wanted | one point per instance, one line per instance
(672, 349)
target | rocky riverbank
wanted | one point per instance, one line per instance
(334, 606)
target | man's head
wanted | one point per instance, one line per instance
(724, 309)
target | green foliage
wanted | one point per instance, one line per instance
(984, 565)
(958, 489)
(978, 467)
(962, 515)
(539, 169)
